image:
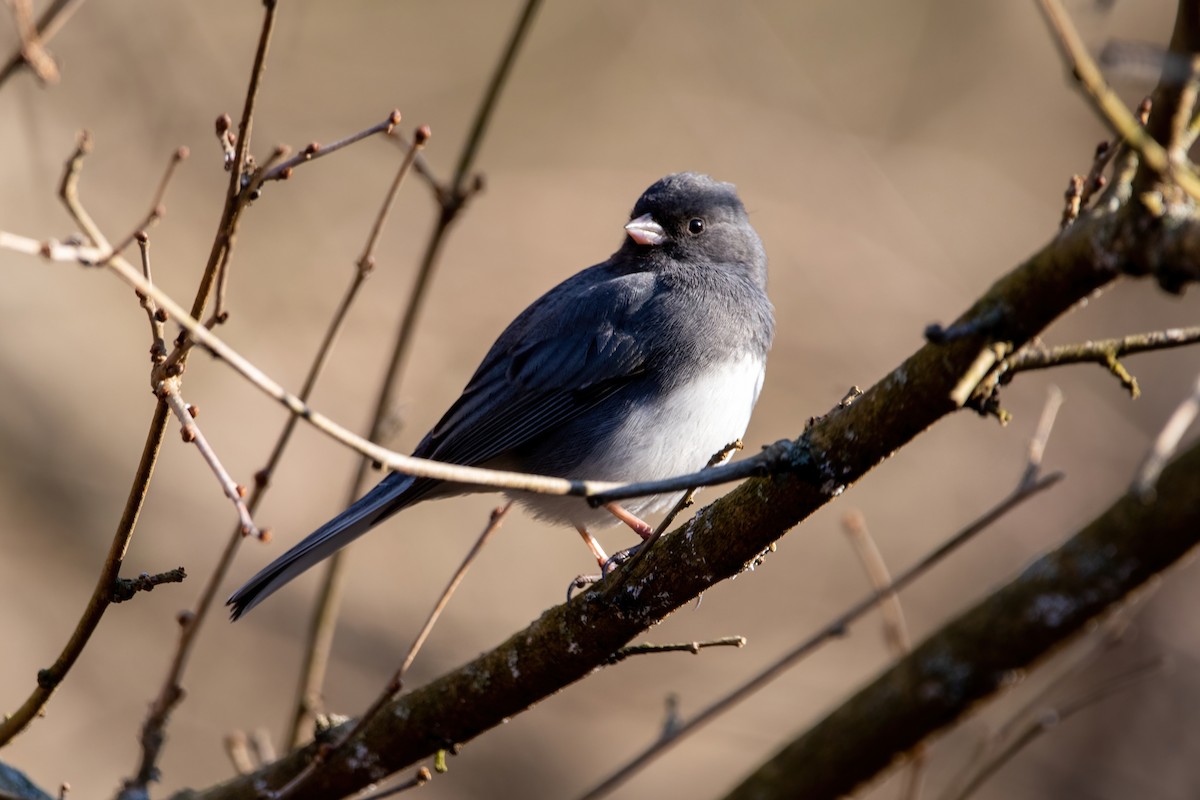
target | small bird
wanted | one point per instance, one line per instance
(638, 368)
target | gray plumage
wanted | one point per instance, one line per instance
(638, 368)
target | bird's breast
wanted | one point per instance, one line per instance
(678, 431)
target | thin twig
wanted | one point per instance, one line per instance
(68, 192)
(157, 208)
(50, 678)
(420, 138)
(124, 589)
(237, 748)
(283, 170)
(420, 165)
(236, 200)
(158, 335)
(895, 627)
(48, 25)
(397, 681)
(192, 435)
(319, 636)
(422, 777)
(1104, 352)
(102, 594)
(1041, 436)
(1166, 443)
(494, 521)
(32, 49)
(1051, 717)
(684, 647)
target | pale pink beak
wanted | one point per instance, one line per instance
(644, 230)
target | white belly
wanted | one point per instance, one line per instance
(674, 436)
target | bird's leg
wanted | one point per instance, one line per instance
(597, 551)
(608, 564)
(629, 518)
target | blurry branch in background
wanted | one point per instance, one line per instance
(32, 52)
(1166, 443)
(1042, 711)
(895, 627)
(248, 753)
(971, 657)
(452, 198)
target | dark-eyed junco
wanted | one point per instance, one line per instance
(639, 368)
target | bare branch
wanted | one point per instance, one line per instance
(125, 588)
(1166, 443)
(48, 25)
(1104, 352)
(685, 647)
(284, 168)
(185, 413)
(1106, 102)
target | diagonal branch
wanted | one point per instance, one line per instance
(970, 657)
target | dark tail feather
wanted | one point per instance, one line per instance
(385, 499)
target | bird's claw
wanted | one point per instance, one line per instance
(581, 582)
(618, 559)
(615, 561)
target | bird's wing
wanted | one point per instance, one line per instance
(561, 357)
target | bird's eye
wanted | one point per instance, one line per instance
(695, 226)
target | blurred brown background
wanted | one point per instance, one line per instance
(896, 158)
